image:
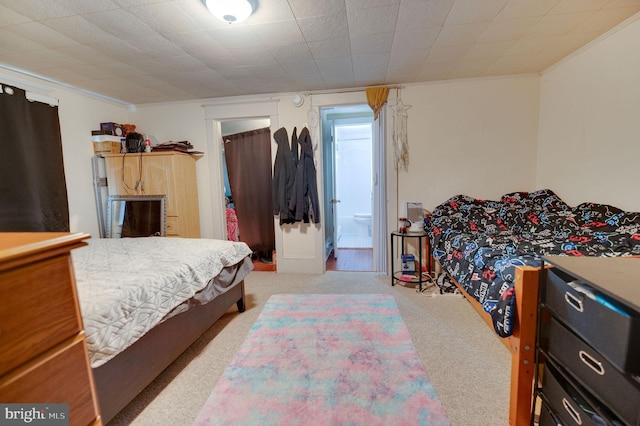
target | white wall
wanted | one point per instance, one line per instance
(476, 137)
(590, 123)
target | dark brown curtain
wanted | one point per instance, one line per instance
(248, 157)
(33, 191)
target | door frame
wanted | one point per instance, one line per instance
(380, 184)
(215, 114)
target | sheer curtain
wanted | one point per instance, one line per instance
(33, 191)
(248, 157)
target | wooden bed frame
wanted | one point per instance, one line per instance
(123, 377)
(521, 344)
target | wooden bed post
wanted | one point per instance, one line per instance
(523, 345)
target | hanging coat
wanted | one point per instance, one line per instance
(283, 178)
(304, 201)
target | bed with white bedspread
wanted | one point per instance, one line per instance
(130, 288)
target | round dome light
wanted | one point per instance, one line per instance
(230, 11)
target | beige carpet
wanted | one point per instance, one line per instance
(468, 365)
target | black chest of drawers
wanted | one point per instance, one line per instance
(589, 342)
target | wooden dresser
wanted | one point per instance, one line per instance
(169, 173)
(43, 351)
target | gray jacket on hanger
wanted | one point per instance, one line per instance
(283, 178)
(304, 201)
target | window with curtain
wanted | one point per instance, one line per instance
(33, 191)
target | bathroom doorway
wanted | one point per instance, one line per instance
(347, 134)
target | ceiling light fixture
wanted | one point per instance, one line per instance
(230, 11)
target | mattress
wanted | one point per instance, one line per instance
(127, 286)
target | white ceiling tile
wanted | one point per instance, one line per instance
(605, 19)
(279, 33)
(460, 34)
(167, 50)
(16, 43)
(415, 39)
(436, 71)
(233, 37)
(330, 48)
(43, 35)
(291, 52)
(157, 46)
(273, 11)
(11, 17)
(470, 11)
(374, 43)
(372, 61)
(551, 25)
(526, 8)
(418, 15)
(571, 42)
(363, 4)
(409, 58)
(447, 53)
(476, 65)
(508, 29)
(40, 9)
(121, 24)
(489, 49)
(568, 6)
(252, 56)
(311, 8)
(79, 29)
(541, 61)
(372, 20)
(529, 46)
(338, 65)
(84, 6)
(324, 27)
(166, 18)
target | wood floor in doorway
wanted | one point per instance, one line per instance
(347, 259)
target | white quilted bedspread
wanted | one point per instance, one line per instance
(126, 286)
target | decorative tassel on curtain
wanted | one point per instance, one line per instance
(376, 97)
(399, 135)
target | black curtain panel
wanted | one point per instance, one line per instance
(33, 191)
(248, 156)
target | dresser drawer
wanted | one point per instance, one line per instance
(548, 417)
(38, 310)
(619, 392)
(613, 334)
(61, 376)
(564, 399)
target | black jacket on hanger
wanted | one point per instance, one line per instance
(284, 172)
(304, 201)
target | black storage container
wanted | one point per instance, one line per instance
(620, 392)
(615, 335)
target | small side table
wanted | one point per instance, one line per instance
(423, 241)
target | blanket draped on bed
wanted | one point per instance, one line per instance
(480, 242)
(127, 286)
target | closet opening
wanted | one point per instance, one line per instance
(246, 165)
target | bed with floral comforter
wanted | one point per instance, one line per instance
(480, 243)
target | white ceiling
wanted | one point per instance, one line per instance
(145, 51)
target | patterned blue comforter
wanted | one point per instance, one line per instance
(480, 243)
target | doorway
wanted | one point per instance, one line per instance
(249, 212)
(347, 134)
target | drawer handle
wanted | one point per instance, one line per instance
(591, 362)
(572, 411)
(574, 302)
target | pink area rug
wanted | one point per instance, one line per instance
(325, 360)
